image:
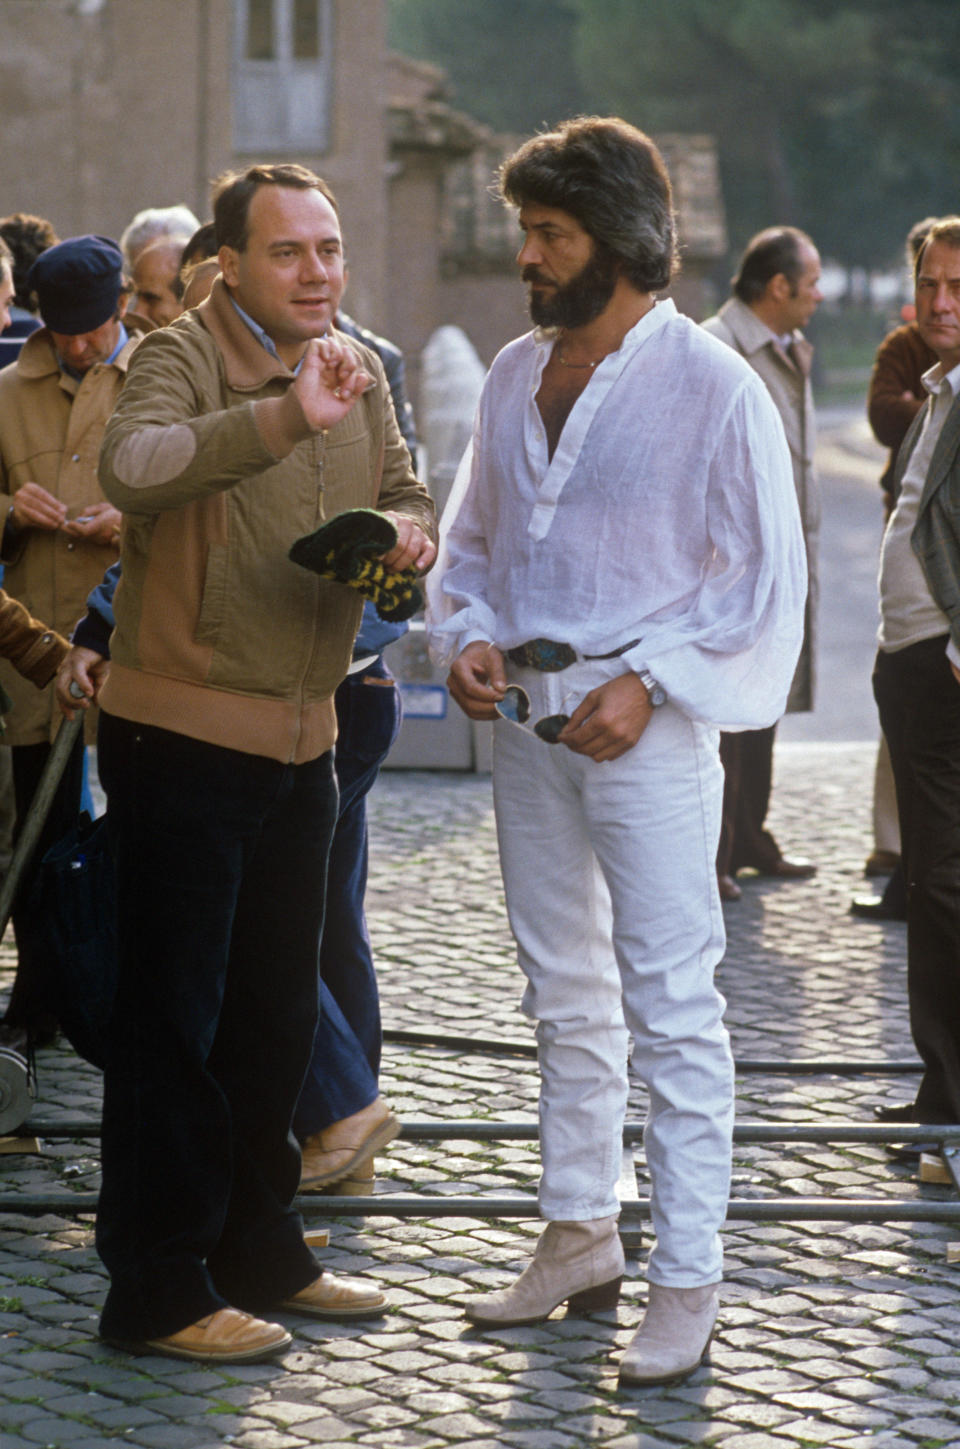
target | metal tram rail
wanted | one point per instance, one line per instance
(634, 1208)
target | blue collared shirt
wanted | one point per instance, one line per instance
(262, 337)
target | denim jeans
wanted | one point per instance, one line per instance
(221, 860)
(342, 1076)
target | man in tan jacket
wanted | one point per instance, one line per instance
(57, 531)
(243, 425)
(775, 293)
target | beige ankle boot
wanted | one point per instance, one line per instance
(673, 1337)
(577, 1263)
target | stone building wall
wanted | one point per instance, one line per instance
(108, 106)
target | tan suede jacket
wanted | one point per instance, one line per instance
(219, 636)
(34, 650)
(51, 427)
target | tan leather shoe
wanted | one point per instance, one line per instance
(227, 1336)
(673, 1337)
(333, 1153)
(580, 1264)
(332, 1297)
(360, 1183)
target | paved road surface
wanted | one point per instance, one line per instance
(832, 1334)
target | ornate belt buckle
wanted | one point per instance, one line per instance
(548, 656)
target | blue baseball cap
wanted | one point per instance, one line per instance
(78, 283)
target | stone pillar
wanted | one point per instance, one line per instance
(450, 381)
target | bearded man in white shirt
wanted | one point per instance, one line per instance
(624, 575)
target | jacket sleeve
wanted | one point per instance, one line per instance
(729, 658)
(34, 650)
(98, 623)
(894, 373)
(161, 450)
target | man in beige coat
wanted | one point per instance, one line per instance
(775, 293)
(57, 531)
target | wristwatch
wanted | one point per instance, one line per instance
(657, 693)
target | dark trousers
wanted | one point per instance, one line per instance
(221, 860)
(342, 1076)
(31, 1004)
(919, 702)
(747, 759)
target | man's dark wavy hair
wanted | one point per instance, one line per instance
(26, 236)
(612, 179)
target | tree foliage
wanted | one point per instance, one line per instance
(513, 62)
(840, 116)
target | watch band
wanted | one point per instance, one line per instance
(656, 691)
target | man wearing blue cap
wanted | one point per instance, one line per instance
(57, 531)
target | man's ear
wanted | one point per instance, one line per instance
(229, 259)
(779, 287)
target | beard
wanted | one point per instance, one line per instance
(582, 299)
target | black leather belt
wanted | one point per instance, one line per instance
(549, 656)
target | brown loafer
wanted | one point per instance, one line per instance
(361, 1183)
(227, 1336)
(335, 1152)
(337, 1297)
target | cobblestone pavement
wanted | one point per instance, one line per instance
(831, 1334)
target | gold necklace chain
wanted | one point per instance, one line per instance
(563, 361)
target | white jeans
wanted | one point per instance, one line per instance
(610, 879)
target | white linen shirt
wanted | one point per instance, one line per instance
(667, 514)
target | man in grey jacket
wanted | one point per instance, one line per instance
(775, 293)
(917, 684)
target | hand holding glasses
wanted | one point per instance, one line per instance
(515, 709)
